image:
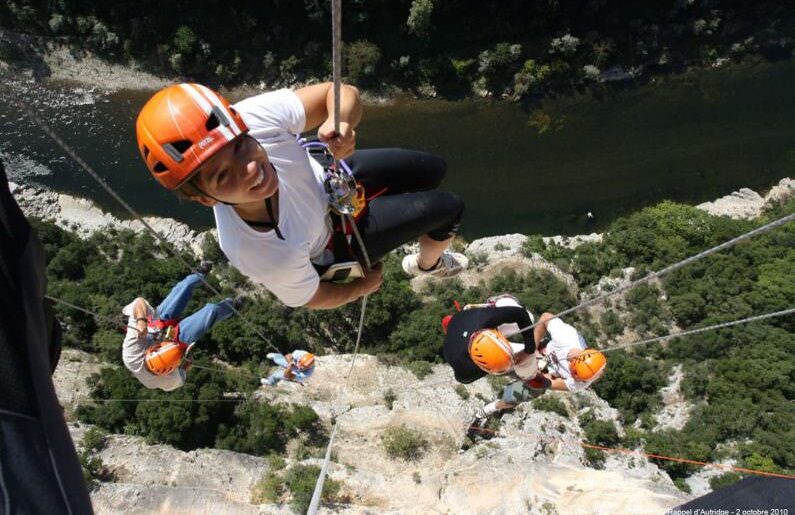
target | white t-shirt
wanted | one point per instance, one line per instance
(284, 267)
(564, 338)
(134, 353)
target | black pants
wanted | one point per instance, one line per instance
(407, 206)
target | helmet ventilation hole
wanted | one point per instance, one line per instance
(212, 122)
(182, 145)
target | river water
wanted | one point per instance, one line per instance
(689, 138)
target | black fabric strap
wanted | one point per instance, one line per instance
(267, 225)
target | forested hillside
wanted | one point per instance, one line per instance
(512, 48)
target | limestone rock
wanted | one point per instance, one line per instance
(783, 191)
(742, 204)
(84, 218)
(497, 247)
(572, 242)
(70, 376)
(676, 410)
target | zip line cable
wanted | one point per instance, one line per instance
(704, 329)
(596, 300)
(104, 318)
(160, 238)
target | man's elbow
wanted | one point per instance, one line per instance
(353, 89)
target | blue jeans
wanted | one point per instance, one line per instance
(192, 327)
(278, 375)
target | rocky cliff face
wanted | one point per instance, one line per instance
(84, 218)
(746, 203)
(534, 464)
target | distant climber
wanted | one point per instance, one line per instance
(297, 367)
(157, 341)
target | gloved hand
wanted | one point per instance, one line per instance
(539, 382)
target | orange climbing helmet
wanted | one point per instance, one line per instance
(491, 351)
(588, 365)
(163, 358)
(182, 126)
(306, 361)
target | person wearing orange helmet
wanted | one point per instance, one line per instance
(297, 367)
(564, 363)
(567, 361)
(271, 198)
(157, 341)
(476, 344)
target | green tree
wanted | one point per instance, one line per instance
(301, 481)
(184, 39)
(361, 60)
(419, 21)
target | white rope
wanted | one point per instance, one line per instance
(321, 478)
(759, 230)
(336, 58)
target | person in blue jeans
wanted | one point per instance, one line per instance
(297, 366)
(157, 340)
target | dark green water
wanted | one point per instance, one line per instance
(690, 138)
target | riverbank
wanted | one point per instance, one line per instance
(690, 139)
(556, 64)
(83, 217)
(53, 60)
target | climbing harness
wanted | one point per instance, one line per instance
(346, 206)
(345, 194)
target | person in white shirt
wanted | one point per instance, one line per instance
(568, 362)
(269, 195)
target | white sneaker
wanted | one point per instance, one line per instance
(450, 264)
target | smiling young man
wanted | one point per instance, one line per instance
(269, 197)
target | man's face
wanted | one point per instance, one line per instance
(239, 173)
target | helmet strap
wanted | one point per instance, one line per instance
(196, 187)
